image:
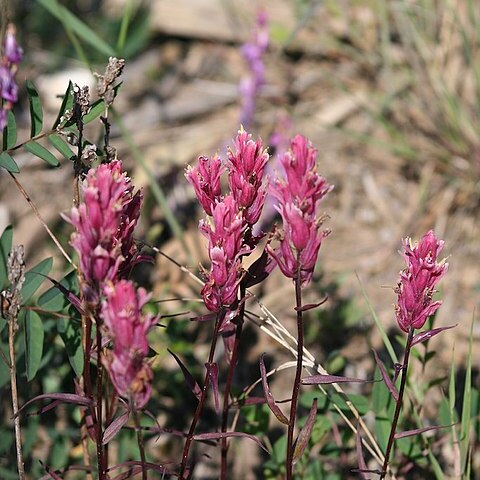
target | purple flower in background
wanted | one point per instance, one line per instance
(127, 363)
(253, 52)
(11, 51)
(11, 57)
(104, 224)
(418, 280)
(299, 196)
(8, 87)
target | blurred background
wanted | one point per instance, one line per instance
(388, 92)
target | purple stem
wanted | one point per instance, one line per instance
(298, 375)
(398, 406)
(198, 411)
(228, 385)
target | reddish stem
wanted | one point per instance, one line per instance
(228, 385)
(298, 374)
(203, 396)
(398, 406)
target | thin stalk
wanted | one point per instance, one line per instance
(398, 406)
(298, 375)
(203, 396)
(228, 386)
(141, 446)
(37, 214)
(102, 468)
(12, 322)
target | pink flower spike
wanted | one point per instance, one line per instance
(246, 167)
(104, 224)
(299, 197)
(417, 282)
(128, 365)
(205, 179)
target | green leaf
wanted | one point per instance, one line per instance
(42, 153)
(71, 334)
(8, 163)
(53, 300)
(466, 407)
(5, 247)
(67, 104)
(33, 343)
(10, 132)
(33, 280)
(61, 146)
(36, 114)
(74, 24)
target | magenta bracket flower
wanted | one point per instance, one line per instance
(417, 282)
(128, 327)
(229, 231)
(246, 167)
(104, 224)
(299, 196)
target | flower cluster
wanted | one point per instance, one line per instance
(11, 57)
(104, 224)
(253, 53)
(299, 196)
(233, 216)
(128, 366)
(418, 280)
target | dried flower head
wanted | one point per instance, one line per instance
(417, 282)
(106, 81)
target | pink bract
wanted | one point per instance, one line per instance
(127, 364)
(418, 280)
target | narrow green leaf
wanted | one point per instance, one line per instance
(10, 132)
(71, 334)
(122, 34)
(73, 23)
(98, 107)
(53, 300)
(5, 247)
(466, 408)
(33, 280)
(36, 113)
(8, 163)
(33, 343)
(67, 104)
(61, 146)
(42, 153)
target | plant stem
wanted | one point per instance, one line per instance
(141, 446)
(228, 385)
(398, 406)
(12, 323)
(102, 470)
(203, 396)
(298, 374)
